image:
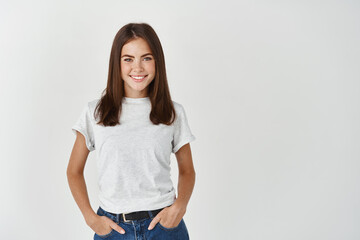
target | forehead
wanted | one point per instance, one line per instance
(136, 46)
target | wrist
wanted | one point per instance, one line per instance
(180, 205)
(90, 218)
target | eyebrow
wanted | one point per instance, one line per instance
(126, 55)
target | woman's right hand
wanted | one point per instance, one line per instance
(103, 225)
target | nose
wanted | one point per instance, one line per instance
(138, 66)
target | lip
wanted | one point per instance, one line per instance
(138, 80)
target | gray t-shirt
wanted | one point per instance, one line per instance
(133, 158)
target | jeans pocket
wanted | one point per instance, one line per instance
(171, 229)
(105, 235)
(101, 213)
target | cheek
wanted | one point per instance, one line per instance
(125, 69)
(151, 67)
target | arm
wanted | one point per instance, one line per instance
(186, 180)
(172, 215)
(75, 176)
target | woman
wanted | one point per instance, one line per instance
(134, 127)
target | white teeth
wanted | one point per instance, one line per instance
(138, 77)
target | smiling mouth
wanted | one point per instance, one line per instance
(138, 78)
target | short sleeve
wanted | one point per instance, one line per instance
(182, 132)
(85, 127)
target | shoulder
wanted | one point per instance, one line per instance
(180, 111)
(90, 107)
(178, 107)
(92, 104)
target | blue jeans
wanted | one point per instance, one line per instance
(137, 229)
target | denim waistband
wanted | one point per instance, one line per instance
(118, 217)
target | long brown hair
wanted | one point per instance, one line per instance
(109, 107)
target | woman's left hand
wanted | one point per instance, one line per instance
(169, 217)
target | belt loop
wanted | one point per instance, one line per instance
(117, 218)
(150, 214)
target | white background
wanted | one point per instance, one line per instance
(271, 90)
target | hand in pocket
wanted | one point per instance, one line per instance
(103, 225)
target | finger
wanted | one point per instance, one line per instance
(117, 228)
(154, 222)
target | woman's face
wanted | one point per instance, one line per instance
(137, 67)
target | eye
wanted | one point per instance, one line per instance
(127, 59)
(148, 58)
